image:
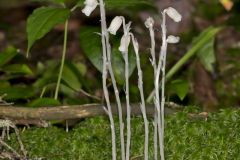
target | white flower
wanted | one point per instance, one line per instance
(125, 41)
(91, 2)
(115, 25)
(173, 13)
(173, 39)
(149, 22)
(90, 5)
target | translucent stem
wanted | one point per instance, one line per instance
(142, 105)
(104, 77)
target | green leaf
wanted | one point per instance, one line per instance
(70, 78)
(18, 69)
(91, 44)
(54, 1)
(17, 92)
(179, 87)
(116, 4)
(119, 63)
(7, 55)
(207, 56)
(197, 44)
(42, 20)
(81, 68)
(49, 74)
(44, 102)
(65, 89)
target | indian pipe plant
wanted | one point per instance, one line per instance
(38, 26)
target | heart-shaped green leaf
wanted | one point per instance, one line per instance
(42, 20)
(179, 87)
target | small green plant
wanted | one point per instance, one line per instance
(44, 19)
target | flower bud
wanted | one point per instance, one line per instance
(173, 13)
(173, 39)
(115, 25)
(90, 5)
(125, 41)
(149, 22)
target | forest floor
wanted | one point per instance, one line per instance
(214, 137)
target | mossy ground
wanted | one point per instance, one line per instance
(218, 138)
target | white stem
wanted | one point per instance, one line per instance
(162, 67)
(154, 64)
(104, 77)
(163, 97)
(128, 107)
(142, 105)
(155, 137)
(125, 54)
(119, 105)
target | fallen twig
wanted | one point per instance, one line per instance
(26, 115)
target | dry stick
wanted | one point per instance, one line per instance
(39, 116)
(20, 141)
(153, 61)
(10, 148)
(142, 105)
(104, 78)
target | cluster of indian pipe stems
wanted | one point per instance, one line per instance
(158, 67)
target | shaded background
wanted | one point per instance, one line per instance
(25, 80)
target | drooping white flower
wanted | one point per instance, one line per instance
(125, 41)
(90, 2)
(90, 5)
(149, 22)
(173, 13)
(115, 25)
(173, 39)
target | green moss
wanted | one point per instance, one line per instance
(188, 139)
